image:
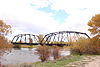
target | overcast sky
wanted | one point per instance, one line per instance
(46, 16)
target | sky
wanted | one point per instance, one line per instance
(46, 16)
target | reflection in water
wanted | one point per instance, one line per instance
(4, 51)
(19, 56)
(23, 55)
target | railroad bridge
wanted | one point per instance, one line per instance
(56, 38)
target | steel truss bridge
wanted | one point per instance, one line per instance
(56, 38)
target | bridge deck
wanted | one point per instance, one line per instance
(26, 43)
(39, 44)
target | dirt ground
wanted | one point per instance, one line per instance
(89, 61)
(95, 63)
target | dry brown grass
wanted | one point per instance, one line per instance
(5, 45)
(43, 52)
(55, 50)
(86, 46)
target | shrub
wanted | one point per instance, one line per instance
(17, 46)
(82, 46)
(86, 46)
(55, 52)
(43, 52)
(95, 43)
(5, 45)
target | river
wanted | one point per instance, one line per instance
(23, 55)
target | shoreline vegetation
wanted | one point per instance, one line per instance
(68, 61)
(25, 46)
(55, 63)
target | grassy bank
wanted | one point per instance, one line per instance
(60, 62)
(57, 63)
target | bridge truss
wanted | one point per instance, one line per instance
(63, 38)
(56, 38)
(28, 39)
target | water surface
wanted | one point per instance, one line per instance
(23, 55)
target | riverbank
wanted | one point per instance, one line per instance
(95, 63)
(56, 63)
(87, 61)
(69, 61)
(25, 55)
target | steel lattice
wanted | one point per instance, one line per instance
(57, 38)
(63, 38)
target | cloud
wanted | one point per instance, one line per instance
(26, 19)
(64, 4)
(25, 16)
(41, 3)
(78, 19)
